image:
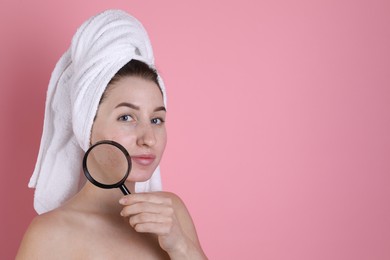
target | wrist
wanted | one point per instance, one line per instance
(187, 251)
(179, 252)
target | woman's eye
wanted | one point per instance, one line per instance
(125, 118)
(157, 121)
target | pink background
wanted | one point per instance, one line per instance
(279, 123)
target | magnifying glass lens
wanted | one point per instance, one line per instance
(106, 164)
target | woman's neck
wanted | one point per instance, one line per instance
(97, 200)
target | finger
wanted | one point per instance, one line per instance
(152, 197)
(144, 218)
(146, 207)
(155, 228)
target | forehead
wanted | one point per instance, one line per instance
(134, 89)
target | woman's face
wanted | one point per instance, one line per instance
(133, 114)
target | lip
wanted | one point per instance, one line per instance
(143, 159)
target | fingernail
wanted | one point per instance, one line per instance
(122, 200)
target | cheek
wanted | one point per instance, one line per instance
(162, 140)
(105, 132)
(95, 134)
(127, 140)
(99, 133)
(125, 136)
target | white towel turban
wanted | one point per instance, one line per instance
(100, 47)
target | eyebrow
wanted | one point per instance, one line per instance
(126, 104)
(160, 109)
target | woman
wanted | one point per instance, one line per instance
(111, 91)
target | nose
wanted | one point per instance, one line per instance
(146, 136)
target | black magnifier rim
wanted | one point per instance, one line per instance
(99, 184)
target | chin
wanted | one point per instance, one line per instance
(140, 175)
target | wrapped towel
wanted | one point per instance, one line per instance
(100, 47)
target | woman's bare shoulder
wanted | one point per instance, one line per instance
(45, 235)
(176, 200)
(183, 216)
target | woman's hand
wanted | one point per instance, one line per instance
(154, 213)
(165, 215)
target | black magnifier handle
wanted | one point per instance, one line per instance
(124, 190)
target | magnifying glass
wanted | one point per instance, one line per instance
(107, 165)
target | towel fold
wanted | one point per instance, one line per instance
(101, 46)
